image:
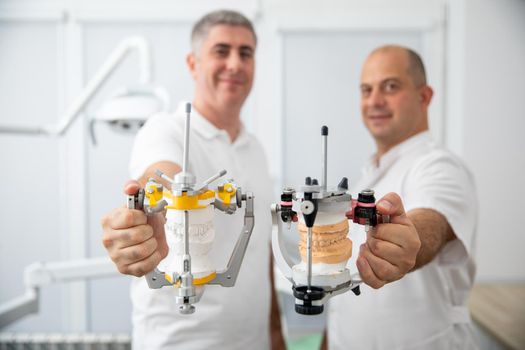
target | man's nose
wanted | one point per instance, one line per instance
(234, 62)
(376, 98)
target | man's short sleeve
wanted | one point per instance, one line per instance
(441, 182)
(160, 139)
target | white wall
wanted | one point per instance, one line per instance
(46, 57)
(30, 167)
(493, 131)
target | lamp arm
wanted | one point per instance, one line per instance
(104, 72)
(18, 308)
(41, 274)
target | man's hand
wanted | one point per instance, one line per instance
(135, 242)
(390, 250)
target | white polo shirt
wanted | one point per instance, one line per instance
(426, 309)
(225, 318)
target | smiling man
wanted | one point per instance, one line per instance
(426, 309)
(393, 92)
(222, 64)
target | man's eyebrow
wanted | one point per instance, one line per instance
(228, 46)
(222, 46)
(395, 79)
(383, 81)
(246, 48)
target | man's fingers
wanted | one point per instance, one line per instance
(140, 268)
(385, 250)
(157, 222)
(382, 269)
(367, 274)
(394, 233)
(391, 248)
(391, 204)
(131, 187)
(127, 237)
(123, 218)
(135, 253)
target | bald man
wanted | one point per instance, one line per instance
(426, 309)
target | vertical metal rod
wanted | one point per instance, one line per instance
(186, 139)
(309, 257)
(186, 258)
(324, 134)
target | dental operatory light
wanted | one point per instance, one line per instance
(127, 109)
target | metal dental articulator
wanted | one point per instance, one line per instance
(325, 247)
(189, 215)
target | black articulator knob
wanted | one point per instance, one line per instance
(343, 184)
(287, 214)
(356, 290)
(309, 214)
(287, 196)
(365, 211)
(324, 130)
(311, 208)
(307, 296)
(366, 196)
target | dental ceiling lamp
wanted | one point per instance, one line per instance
(126, 110)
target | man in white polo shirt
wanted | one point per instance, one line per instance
(427, 308)
(222, 64)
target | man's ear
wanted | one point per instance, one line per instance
(426, 94)
(191, 62)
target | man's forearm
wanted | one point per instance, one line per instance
(434, 232)
(276, 334)
(324, 341)
(168, 168)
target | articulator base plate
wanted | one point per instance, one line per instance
(331, 280)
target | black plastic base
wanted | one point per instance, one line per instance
(309, 310)
(307, 296)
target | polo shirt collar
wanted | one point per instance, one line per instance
(206, 129)
(414, 142)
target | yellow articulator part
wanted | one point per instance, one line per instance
(186, 202)
(196, 281)
(153, 193)
(226, 193)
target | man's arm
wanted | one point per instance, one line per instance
(324, 341)
(168, 168)
(135, 242)
(390, 250)
(276, 334)
(434, 232)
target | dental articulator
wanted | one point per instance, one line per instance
(322, 216)
(189, 215)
